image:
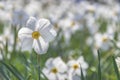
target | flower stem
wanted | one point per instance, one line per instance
(15, 37)
(38, 60)
(99, 66)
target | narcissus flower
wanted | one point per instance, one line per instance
(75, 68)
(37, 34)
(55, 69)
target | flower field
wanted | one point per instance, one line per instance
(59, 40)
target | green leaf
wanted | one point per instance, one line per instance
(14, 71)
(4, 74)
(116, 68)
(82, 75)
(99, 66)
(43, 75)
(28, 77)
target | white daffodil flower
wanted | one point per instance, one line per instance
(75, 67)
(103, 41)
(37, 35)
(55, 69)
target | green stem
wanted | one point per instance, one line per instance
(15, 36)
(82, 75)
(99, 66)
(38, 60)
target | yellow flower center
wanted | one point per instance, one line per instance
(91, 10)
(72, 24)
(54, 70)
(35, 35)
(56, 25)
(104, 39)
(75, 66)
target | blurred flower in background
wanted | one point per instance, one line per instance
(75, 67)
(55, 69)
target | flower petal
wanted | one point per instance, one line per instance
(40, 46)
(24, 33)
(31, 23)
(71, 62)
(48, 35)
(50, 76)
(60, 64)
(27, 44)
(49, 63)
(43, 24)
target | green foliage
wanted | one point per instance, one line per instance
(116, 68)
(13, 70)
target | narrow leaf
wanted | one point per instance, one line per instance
(43, 75)
(17, 72)
(3, 73)
(13, 71)
(82, 75)
(29, 77)
(116, 68)
(99, 66)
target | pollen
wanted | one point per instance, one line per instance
(35, 35)
(75, 66)
(54, 70)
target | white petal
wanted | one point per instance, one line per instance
(31, 23)
(62, 76)
(77, 72)
(49, 63)
(40, 46)
(48, 35)
(71, 62)
(49, 75)
(43, 24)
(24, 33)
(81, 61)
(75, 77)
(27, 44)
(60, 64)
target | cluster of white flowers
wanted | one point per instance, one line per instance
(73, 16)
(57, 69)
(81, 26)
(79, 16)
